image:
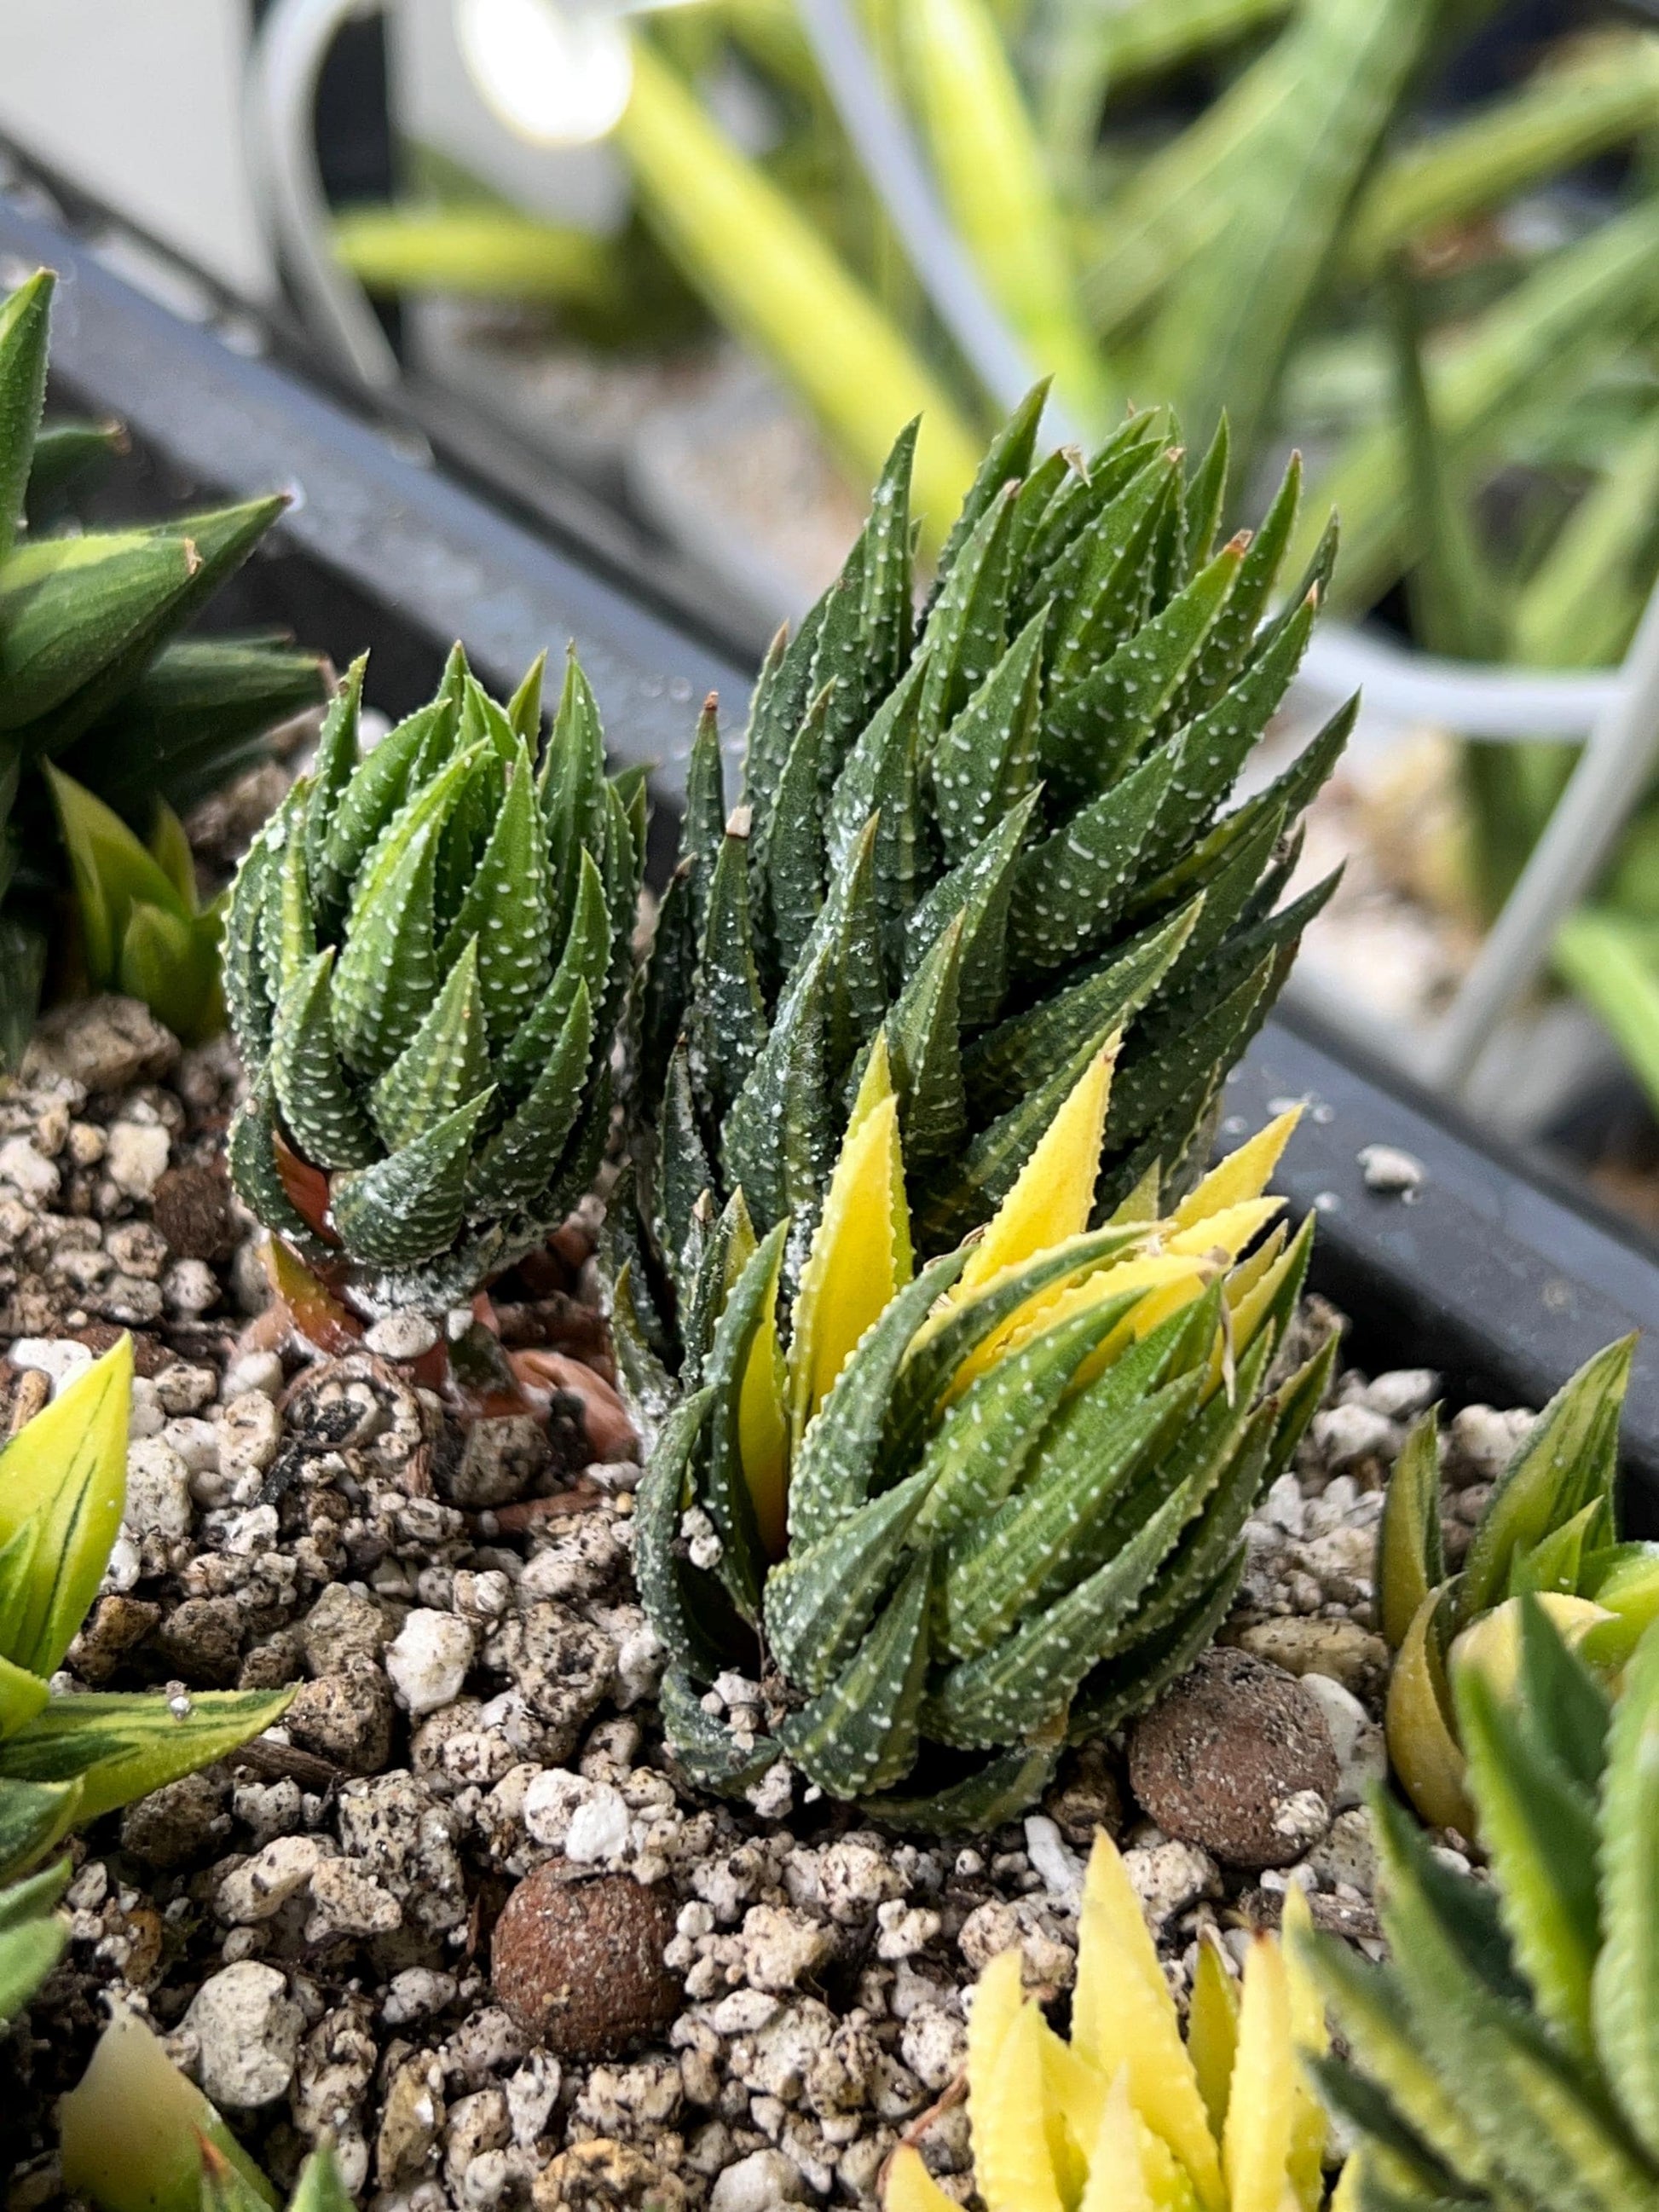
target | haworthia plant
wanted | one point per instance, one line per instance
(1508, 2057)
(1550, 1527)
(139, 722)
(992, 834)
(1126, 2114)
(426, 954)
(977, 1508)
(66, 1760)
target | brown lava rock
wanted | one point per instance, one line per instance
(192, 1209)
(1237, 1757)
(579, 1965)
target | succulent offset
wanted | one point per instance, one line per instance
(997, 833)
(137, 722)
(976, 1508)
(425, 954)
(1127, 2115)
(1508, 2055)
(137, 2137)
(63, 1760)
(1551, 1528)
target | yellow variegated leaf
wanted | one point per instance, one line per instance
(911, 2188)
(1228, 1231)
(998, 1996)
(1013, 2154)
(1056, 1191)
(763, 1430)
(1243, 1174)
(1309, 2038)
(1255, 2148)
(1073, 2094)
(1246, 1280)
(1179, 1275)
(1123, 2016)
(1422, 1748)
(131, 2129)
(1492, 1642)
(861, 1252)
(22, 1696)
(1117, 2179)
(67, 1470)
(1168, 2182)
(1213, 2031)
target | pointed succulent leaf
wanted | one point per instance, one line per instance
(387, 975)
(1006, 1064)
(64, 1477)
(861, 1732)
(585, 961)
(1574, 1443)
(24, 313)
(1539, 1828)
(1411, 1559)
(410, 1205)
(730, 1026)
(520, 1161)
(337, 749)
(1131, 1678)
(724, 1488)
(988, 760)
(1233, 639)
(1071, 888)
(824, 1597)
(1101, 584)
(1008, 458)
(966, 631)
(1626, 1990)
(923, 1035)
(702, 825)
(791, 858)
(506, 909)
(319, 1105)
(777, 1142)
(251, 1156)
(978, 891)
(999, 1789)
(120, 1747)
(443, 1063)
(775, 710)
(835, 1466)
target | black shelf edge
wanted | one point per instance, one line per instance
(394, 527)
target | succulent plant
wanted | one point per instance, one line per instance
(1126, 2116)
(137, 2137)
(1549, 1527)
(1508, 2055)
(975, 1508)
(426, 951)
(995, 835)
(96, 680)
(66, 1760)
(34, 1935)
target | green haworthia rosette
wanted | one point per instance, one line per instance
(425, 959)
(959, 827)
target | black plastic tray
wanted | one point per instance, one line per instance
(1493, 1274)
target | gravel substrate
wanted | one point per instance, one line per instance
(686, 2003)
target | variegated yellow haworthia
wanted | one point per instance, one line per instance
(978, 1507)
(1128, 2115)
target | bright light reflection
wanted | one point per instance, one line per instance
(554, 77)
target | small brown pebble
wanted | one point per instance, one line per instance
(1237, 1757)
(150, 1354)
(193, 1212)
(579, 1965)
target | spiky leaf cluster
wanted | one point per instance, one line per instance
(426, 951)
(977, 1508)
(1549, 1527)
(1508, 2055)
(1126, 2114)
(995, 833)
(95, 678)
(66, 1760)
